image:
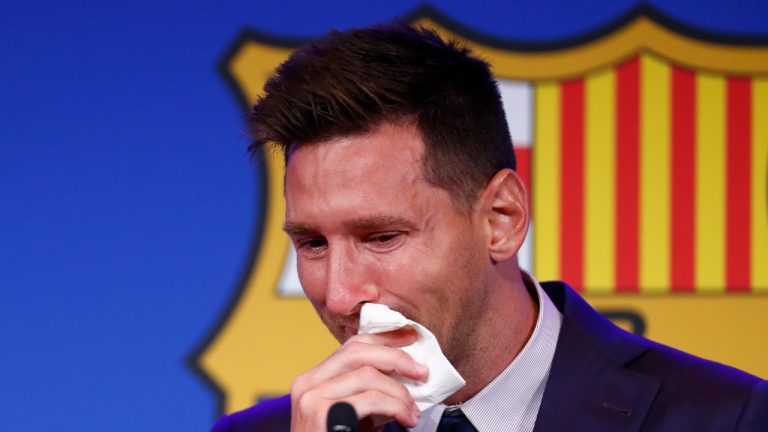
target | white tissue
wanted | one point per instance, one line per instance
(443, 379)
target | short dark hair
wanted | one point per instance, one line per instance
(349, 82)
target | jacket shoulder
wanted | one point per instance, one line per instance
(665, 389)
(692, 378)
(273, 415)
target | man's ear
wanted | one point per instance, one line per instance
(506, 210)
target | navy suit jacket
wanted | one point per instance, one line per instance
(606, 379)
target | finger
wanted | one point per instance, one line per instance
(358, 381)
(396, 338)
(376, 393)
(373, 403)
(356, 354)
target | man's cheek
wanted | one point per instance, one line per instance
(312, 282)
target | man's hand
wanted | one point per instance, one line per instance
(359, 373)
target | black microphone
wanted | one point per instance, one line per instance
(342, 418)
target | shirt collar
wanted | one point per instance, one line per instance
(511, 401)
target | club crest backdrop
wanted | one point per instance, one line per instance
(146, 284)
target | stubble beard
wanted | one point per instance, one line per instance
(461, 338)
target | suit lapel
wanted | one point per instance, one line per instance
(588, 386)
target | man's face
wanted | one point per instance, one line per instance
(367, 227)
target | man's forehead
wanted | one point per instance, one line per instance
(387, 157)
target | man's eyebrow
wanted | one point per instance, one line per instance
(375, 222)
(297, 229)
(364, 223)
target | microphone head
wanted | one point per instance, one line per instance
(342, 418)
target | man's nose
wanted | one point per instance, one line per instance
(349, 282)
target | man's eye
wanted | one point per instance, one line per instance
(312, 245)
(385, 238)
(385, 241)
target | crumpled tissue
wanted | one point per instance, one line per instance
(443, 379)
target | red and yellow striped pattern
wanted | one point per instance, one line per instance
(650, 177)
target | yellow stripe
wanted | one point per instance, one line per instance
(710, 183)
(654, 175)
(546, 182)
(600, 183)
(759, 264)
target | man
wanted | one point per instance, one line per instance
(401, 189)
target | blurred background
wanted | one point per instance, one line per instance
(129, 210)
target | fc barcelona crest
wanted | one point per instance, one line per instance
(645, 147)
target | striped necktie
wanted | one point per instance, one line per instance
(454, 420)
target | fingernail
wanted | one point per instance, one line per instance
(415, 414)
(420, 368)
